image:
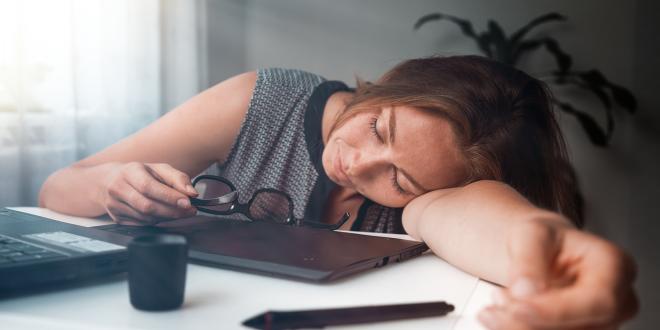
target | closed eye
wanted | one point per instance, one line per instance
(396, 184)
(373, 127)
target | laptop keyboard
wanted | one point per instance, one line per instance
(13, 251)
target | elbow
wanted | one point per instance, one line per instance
(49, 188)
(417, 211)
(414, 213)
(410, 221)
(44, 195)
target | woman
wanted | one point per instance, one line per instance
(460, 152)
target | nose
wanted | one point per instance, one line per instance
(365, 163)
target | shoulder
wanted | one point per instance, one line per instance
(280, 95)
(237, 88)
(230, 96)
(290, 78)
(276, 103)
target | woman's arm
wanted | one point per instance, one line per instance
(556, 276)
(149, 172)
(470, 226)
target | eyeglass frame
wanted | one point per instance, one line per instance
(237, 207)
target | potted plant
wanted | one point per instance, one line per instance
(495, 44)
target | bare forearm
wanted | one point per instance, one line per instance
(76, 190)
(470, 226)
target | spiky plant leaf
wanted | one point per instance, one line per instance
(564, 61)
(624, 98)
(595, 133)
(499, 42)
(518, 35)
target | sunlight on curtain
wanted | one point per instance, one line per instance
(75, 76)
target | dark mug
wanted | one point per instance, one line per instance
(157, 271)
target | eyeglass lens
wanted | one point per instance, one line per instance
(266, 205)
(210, 188)
(270, 206)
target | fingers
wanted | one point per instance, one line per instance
(143, 180)
(500, 317)
(140, 202)
(173, 178)
(575, 306)
(146, 199)
(497, 318)
(565, 308)
(123, 214)
(599, 295)
(532, 248)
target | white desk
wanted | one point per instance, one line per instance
(222, 299)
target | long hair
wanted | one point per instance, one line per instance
(502, 118)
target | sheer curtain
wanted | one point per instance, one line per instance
(79, 75)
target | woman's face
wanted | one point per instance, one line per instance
(393, 154)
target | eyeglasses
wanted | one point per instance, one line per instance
(219, 196)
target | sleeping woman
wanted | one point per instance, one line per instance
(460, 152)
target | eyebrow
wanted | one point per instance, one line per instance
(392, 134)
(392, 125)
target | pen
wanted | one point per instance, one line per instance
(319, 318)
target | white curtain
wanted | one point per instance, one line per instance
(79, 75)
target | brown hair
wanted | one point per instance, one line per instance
(502, 118)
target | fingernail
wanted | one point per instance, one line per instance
(191, 189)
(523, 287)
(498, 298)
(183, 203)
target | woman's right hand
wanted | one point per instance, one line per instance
(147, 193)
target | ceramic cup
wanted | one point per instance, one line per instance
(157, 271)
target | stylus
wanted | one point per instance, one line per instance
(318, 318)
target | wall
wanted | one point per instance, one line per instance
(644, 208)
(342, 38)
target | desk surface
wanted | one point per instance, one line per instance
(217, 298)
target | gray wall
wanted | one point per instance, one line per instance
(644, 208)
(340, 39)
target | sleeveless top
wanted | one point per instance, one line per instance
(280, 146)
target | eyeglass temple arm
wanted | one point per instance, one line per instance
(224, 199)
(341, 222)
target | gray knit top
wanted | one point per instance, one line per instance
(279, 146)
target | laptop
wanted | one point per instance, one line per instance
(298, 253)
(36, 251)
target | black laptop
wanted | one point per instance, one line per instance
(36, 250)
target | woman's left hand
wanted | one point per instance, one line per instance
(563, 278)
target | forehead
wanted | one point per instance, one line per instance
(426, 147)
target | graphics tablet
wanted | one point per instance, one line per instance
(298, 253)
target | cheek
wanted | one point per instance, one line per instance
(347, 133)
(355, 128)
(326, 156)
(382, 193)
